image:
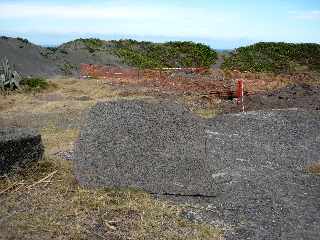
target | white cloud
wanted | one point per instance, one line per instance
(73, 12)
(118, 18)
(306, 15)
(114, 11)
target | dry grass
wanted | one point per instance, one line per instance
(56, 207)
(55, 139)
(314, 168)
(206, 113)
(201, 105)
(67, 91)
(257, 82)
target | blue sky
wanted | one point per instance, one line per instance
(221, 24)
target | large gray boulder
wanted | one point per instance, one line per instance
(19, 147)
(157, 147)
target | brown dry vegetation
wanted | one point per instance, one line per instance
(314, 168)
(257, 82)
(46, 202)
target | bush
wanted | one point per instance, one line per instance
(52, 49)
(170, 54)
(24, 40)
(275, 57)
(35, 83)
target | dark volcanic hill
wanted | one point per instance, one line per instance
(27, 58)
(30, 59)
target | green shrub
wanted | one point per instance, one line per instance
(63, 51)
(36, 83)
(24, 40)
(170, 54)
(67, 68)
(275, 57)
(153, 55)
(52, 49)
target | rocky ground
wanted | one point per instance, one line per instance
(296, 95)
(265, 161)
(247, 171)
(261, 161)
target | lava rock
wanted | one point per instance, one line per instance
(19, 147)
(157, 147)
(260, 161)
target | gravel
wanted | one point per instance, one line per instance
(245, 172)
(66, 155)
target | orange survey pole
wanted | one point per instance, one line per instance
(240, 92)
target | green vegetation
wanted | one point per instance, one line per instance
(24, 40)
(153, 55)
(92, 42)
(36, 83)
(275, 57)
(67, 68)
(170, 54)
(53, 49)
(9, 79)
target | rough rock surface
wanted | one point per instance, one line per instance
(246, 172)
(260, 160)
(156, 147)
(19, 147)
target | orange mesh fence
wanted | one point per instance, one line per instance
(194, 80)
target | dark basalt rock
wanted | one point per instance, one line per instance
(19, 147)
(158, 147)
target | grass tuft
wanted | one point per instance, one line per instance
(35, 83)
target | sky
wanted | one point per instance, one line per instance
(220, 24)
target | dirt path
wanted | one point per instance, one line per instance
(218, 63)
